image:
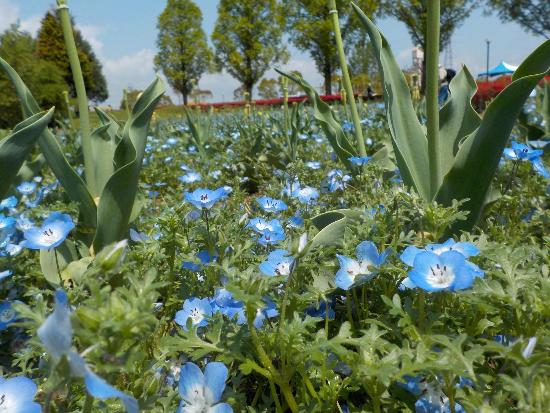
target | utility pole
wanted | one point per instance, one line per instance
(488, 54)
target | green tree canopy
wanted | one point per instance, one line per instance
(248, 38)
(268, 88)
(184, 54)
(44, 79)
(532, 15)
(414, 14)
(50, 46)
(311, 30)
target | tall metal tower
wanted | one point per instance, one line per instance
(448, 62)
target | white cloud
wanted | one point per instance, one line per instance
(91, 33)
(129, 71)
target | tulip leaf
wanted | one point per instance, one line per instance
(30, 169)
(52, 266)
(118, 197)
(457, 118)
(546, 107)
(323, 113)
(104, 141)
(15, 148)
(74, 185)
(332, 226)
(408, 136)
(478, 156)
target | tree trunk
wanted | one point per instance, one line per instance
(249, 89)
(327, 73)
(185, 98)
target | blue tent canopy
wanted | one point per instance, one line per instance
(502, 68)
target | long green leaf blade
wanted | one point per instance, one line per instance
(16, 147)
(409, 140)
(478, 157)
(73, 184)
(118, 197)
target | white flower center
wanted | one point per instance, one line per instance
(6, 315)
(283, 268)
(441, 276)
(196, 315)
(50, 236)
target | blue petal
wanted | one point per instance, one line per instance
(343, 279)
(367, 252)
(191, 381)
(221, 408)
(410, 254)
(422, 267)
(464, 274)
(215, 375)
(100, 389)
(56, 333)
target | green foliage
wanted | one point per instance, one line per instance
(248, 39)
(470, 152)
(15, 148)
(50, 46)
(44, 78)
(527, 13)
(269, 89)
(414, 14)
(184, 54)
(311, 31)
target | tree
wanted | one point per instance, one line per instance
(532, 15)
(268, 88)
(311, 30)
(132, 95)
(184, 54)
(198, 95)
(363, 69)
(50, 46)
(248, 38)
(414, 14)
(44, 79)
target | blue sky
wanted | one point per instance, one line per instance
(123, 34)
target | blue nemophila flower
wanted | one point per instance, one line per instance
(27, 188)
(8, 203)
(448, 271)
(336, 180)
(320, 310)
(467, 249)
(313, 165)
(5, 274)
(196, 309)
(17, 395)
(305, 195)
(360, 161)
(7, 224)
(51, 234)
(7, 314)
(295, 222)
(271, 238)
(190, 177)
(278, 263)
(521, 151)
(23, 223)
(539, 167)
(204, 256)
(271, 205)
(56, 334)
(261, 225)
(203, 392)
(367, 259)
(205, 198)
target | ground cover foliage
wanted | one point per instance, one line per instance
(211, 285)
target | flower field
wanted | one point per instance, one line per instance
(360, 257)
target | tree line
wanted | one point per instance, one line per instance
(249, 38)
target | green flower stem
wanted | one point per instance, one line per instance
(432, 89)
(70, 44)
(266, 361)
(346, 79)
(88, 404)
